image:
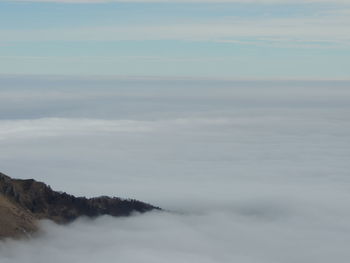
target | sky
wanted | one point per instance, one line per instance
(248, 171)
(231, 39)
(232, 115)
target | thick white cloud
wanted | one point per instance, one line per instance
(251, 171)
(279, 235)
(52, 127)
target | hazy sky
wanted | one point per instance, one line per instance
(231, 39)
(249, 171)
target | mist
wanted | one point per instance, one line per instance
(247, 171)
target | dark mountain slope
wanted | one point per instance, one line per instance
(23, 202)
(14, 220)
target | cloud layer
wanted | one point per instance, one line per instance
(210, 237)
(250, 171)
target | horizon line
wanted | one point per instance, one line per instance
(170, 78)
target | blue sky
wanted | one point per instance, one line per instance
(218, 39)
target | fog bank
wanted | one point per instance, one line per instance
(249, 171)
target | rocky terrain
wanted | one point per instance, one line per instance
(24, 202)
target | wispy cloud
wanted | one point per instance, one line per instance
(321, 30)
(212, 38)
(191, 1)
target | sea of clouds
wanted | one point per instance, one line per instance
(248, 171)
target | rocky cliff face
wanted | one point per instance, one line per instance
(23, 202)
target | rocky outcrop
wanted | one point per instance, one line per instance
(23, 202)
(15, 221)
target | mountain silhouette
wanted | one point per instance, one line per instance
(24, 202)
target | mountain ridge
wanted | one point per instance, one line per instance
(25, 201)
